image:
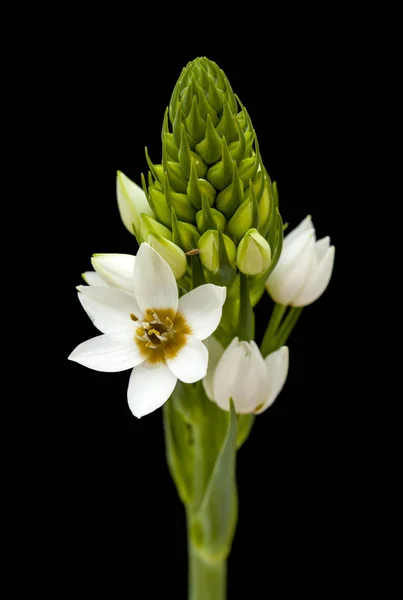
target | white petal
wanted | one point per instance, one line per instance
(92, 278)
(153, 281)
(318, 281)
(149, 387)
(110, 353)
(287, 281)
(115, 269)
(241, 374)
(190, 364)
(215, 351)
(304, 226)
(321, 247)
(277, 369)
(132, 201)
(202, 309)
(109, 308)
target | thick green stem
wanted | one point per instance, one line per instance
(207, 581)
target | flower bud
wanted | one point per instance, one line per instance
(150, 226)
(209, 250)
(253, 255)
(132, 202)
(184, 235)
(304, 269)
(171, 253)
(218, 220)
(242, 374)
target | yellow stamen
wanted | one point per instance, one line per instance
(168, 322)
(140, 331)
(133, 317)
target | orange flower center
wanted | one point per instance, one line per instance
(161, 335)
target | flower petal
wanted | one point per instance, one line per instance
(153, 281)
(110, 353)
(318, 281)
(321, 247)
(277, 368)
(241, 374)
(115, 269)
(190, 364)
(215, 351)
(109, 308)
(92, 278)
(288, 278)
(202, 309)
(149, 387)
(305, 225)
(132, 201)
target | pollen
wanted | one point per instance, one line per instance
(162, 334)
(133, 317)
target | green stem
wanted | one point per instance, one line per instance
(288, 325)
(207, 581)
(268, 340)
(246, 316)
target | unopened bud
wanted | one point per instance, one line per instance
(209, 250)
(253, 255)
(171, 253)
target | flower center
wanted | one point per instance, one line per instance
(161, 334)
(154, 331)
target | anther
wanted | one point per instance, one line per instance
(133, 317)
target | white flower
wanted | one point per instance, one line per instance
(241, 373)
(145, 326)
(304, 269)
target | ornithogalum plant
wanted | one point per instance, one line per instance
(180, 313)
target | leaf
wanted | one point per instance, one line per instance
(213, 526)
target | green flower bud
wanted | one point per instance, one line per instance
(132, 201)
(253, 256)
(245, 217)
(170, 252)
(217, 221)
(184, 235)
(209, 250)
(150, 226)
(158, 202)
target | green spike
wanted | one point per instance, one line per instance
(186, 100)
(238, 149)
(210, 148)
(232, 196)
(195, 125)
(203, 78)
(150, 179)
(156, 172)
(177, 178)
(176, 126)
(226, 272)
(227, 126)
(150, 226)
(255, 207)
(169, 147)
(193, 190)
(214, 97)
(184, 210)
(144, 186)
(220, 78)
(231, 98)
(175, 94)
(204, 107)
(165, 127)
(184, 155)
(248, 168)
(201, 167)
(159, 205)
(220, 174)
(209, 218)
(264, 206)
(244, 218)
(197, 277)
(185, 235)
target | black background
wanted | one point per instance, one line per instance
(117, 496)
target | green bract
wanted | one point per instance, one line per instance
(211, 177)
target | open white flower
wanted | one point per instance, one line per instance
(240, 372)
(145, 326)
(304, 269)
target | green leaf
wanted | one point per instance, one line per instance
(179, 449)
(213, 526)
